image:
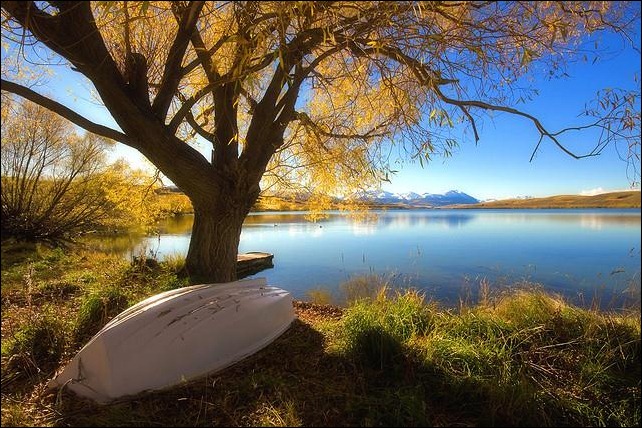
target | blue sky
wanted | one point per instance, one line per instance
(498, 166)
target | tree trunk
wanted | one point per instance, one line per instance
(214, 244)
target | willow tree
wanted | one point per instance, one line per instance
(313, 92)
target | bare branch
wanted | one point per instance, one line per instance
(486, 106)
(307, 121)
(187, 105)
(65, 112)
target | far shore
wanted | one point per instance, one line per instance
(630, 199)
(627, 199)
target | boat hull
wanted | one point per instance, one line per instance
(177, 336)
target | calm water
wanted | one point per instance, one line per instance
(580, 253)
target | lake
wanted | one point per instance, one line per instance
(580, 253)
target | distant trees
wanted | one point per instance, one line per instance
(56, 183)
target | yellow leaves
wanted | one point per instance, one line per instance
(70, 187)
(150, 28)
(384, 62)
(132, 196)
(527, 57)
(317, 204)
(108, 7)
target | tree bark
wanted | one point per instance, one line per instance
(213, 249)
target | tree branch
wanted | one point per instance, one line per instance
(172, 73)
(433, 80)
(187, 106)
(72, 34)
(65, 112)
(486, 106)
(307, 121)
(199, 129)
(211, 51)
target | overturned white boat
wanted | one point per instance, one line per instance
(177, 336)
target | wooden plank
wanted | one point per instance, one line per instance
(253, 262)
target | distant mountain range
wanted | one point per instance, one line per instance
(380, 197)
(451, 197)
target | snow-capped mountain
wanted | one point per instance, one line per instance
(410, 196)
(426, 199)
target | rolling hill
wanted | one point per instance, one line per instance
(630, 199)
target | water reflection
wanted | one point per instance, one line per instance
(115, 244)
(361, 224)
(594, 219)
(287, 217)
(442, 251)
(179, 225)
(405, 220)
(379, 219)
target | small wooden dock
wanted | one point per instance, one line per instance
(252, 262)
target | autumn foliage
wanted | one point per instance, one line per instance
(325, 97)
(57, 184)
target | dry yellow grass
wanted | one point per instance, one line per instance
(606, 200)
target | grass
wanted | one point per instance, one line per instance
(389, 357)
(96, 309)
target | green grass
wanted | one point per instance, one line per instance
(96, 309)
(35, 346)
(388, 358)
(376, 330)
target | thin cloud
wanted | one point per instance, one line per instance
(600, 190)
(592, 192)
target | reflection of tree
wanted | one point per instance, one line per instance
(285, 218)
(178, 225)
(114, 244)
(395, 219)
(182, 225)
